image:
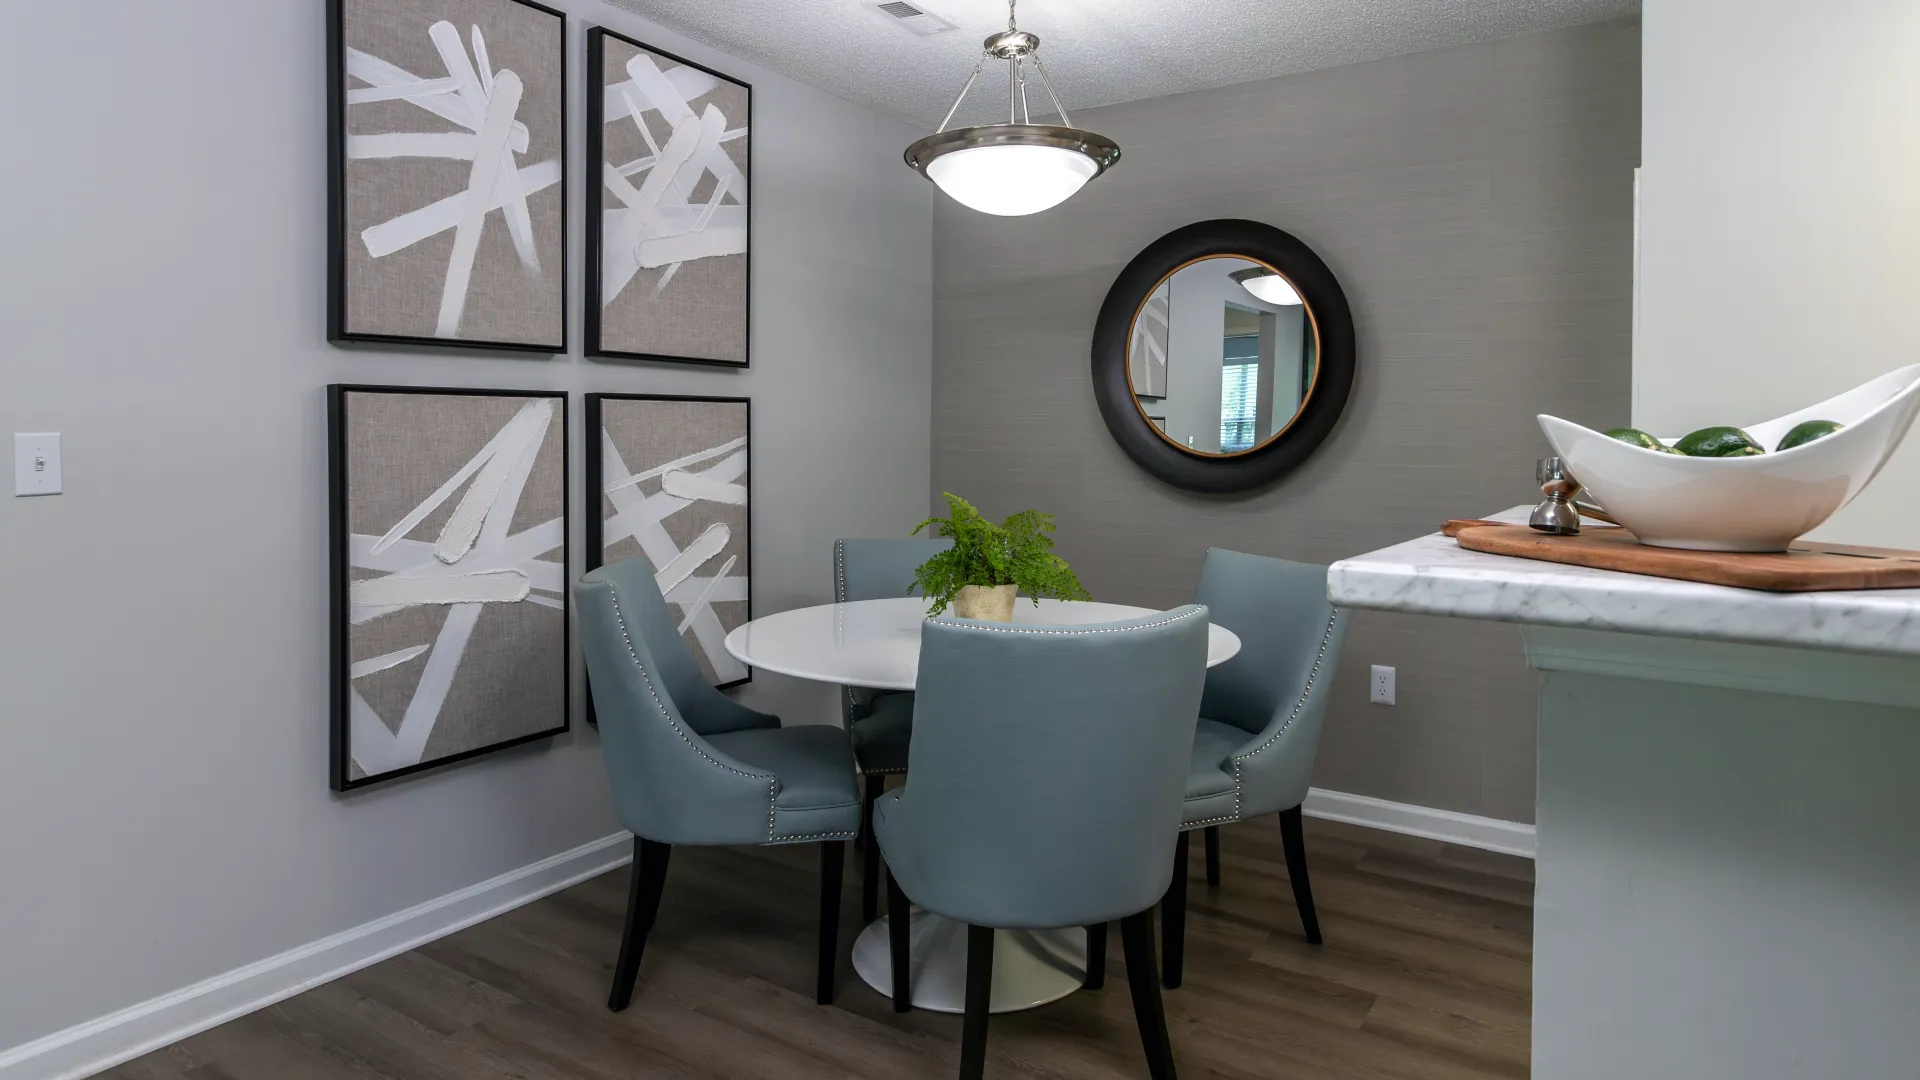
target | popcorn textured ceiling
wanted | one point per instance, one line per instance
(1098, 51)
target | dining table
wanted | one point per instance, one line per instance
(876, 644)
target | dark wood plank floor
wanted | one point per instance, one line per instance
(1425, 974)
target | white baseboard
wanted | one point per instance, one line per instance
(1491, 834)
(102, 1043)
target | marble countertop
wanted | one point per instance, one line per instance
(1432, 575)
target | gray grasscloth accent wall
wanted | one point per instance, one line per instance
(1477, 204)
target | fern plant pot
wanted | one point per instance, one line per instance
(988, 603)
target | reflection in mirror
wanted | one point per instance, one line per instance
(1222, 355)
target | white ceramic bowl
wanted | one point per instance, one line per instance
(1758, 503)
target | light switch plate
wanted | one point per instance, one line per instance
(36, 463)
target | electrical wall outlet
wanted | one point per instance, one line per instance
(36, 463)
(1382, 685)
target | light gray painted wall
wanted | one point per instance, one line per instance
(1780, 155)
(1477, 205)
(164, 813)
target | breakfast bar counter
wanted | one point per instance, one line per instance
(1728, 841)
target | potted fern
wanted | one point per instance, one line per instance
(989, 564)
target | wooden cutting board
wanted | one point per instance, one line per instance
(1806, 567)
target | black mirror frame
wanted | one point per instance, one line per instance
(1268, 462)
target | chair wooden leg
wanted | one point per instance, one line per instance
(1096, 976)
(1173, 918)
(899, 929)
(1213, 854)
(973, 1032)
(833, 860)
(870, 852)
(1136, 937)
(643, 903)
(1295, 842)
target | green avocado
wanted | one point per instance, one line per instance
(1636, 437)
(1718, 442)
(1806, 431)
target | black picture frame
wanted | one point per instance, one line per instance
(596, 133)
(340, 662)
(337, 228)
(596, 482)
(1332, 320)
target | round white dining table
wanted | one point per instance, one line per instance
(876, 643)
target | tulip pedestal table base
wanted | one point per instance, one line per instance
(1030, 967)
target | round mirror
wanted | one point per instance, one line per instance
(1223, 355)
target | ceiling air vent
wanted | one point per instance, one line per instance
(921, 22)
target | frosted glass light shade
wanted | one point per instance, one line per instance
(1269, 286)
(1012, 180)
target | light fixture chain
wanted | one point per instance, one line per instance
(1011, 26)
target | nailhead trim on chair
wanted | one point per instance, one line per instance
(840, 597)
(840, 571)
(773, 837)
(1077, 633)
(815, 836)
(1305, 692)
(773, 782)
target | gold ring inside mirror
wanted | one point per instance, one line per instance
(1222, 356)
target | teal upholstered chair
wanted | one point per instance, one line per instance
(1260, 719)
(881, 720)
(688, 765)
(1048, 769)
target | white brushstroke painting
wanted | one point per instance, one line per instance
(673, 211)
(462, 164)
(473, 560)
(673, 479)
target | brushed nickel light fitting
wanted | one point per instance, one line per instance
(1018, 167)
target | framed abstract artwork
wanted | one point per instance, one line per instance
(668, 240)
(449, 577)
(670, 479)
(447, 185)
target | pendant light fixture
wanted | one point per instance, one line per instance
(1018, 167)
(1266, 285)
